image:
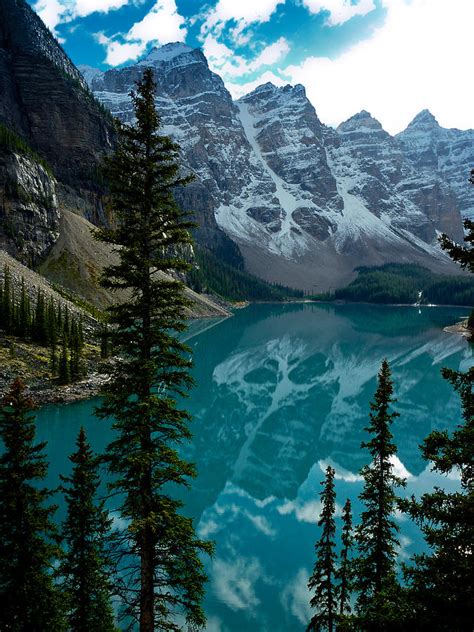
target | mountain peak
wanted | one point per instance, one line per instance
(425, 119)
(362, 121)
(166, 52)
(271, 88)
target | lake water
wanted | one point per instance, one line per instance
(281, 392)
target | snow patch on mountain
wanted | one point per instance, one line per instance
(165, 53)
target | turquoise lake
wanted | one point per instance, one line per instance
(282, 391)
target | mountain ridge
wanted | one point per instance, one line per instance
(305, 203)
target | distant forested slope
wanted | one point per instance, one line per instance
(401, 283)
(212, 275)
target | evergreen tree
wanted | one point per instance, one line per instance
(104, 342)
(7, 301)
(29, 600)
(75, 347)
(85, 533)
(40, 331)
(464, 255)
(322, 581)
(441, 586)
(24, 312)
(376, 536)
(51, 325)
(344, 570)
(66, 332)
(152, 237)
(64, 370)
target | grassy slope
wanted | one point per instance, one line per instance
(76, 262)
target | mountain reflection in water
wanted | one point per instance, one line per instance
(281, 391)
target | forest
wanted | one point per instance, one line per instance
(402, 283)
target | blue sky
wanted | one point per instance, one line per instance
(392, 57)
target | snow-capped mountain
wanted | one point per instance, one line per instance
(306, 204)
(446, 153)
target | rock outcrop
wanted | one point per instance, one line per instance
(29, 212)
(439, 153)
(46, 103)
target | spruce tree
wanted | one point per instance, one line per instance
(85, 566)
(376, 535)
(463, 254)
(29, 601)
(24, 312)
(441, 582)
(40, 331)
(64, 369)
(322, 581)
(344, 573)
(7, 301)
(152, 239)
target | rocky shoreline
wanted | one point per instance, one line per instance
(460, 328)
(55, 394)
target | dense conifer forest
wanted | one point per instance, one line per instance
(213, 276)
(402, 283)
(47, 323)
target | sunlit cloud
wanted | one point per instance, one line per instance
(417, 59)
(56, 12)
(161, 25)
(340, 11)
(243, 14)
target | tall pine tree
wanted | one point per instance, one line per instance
(322, 581)
(29, 600)
(441, 582)
(85, 567)
(344, 573)
(159, 547)
(376, 535)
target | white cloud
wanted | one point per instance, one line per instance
(86, 7)
(52, 12)
(240, 16)
(119, 52)
(418, 59)
(55, 12)
(238, 90)
(244, 13)
(162, 24)
(340, 11)
(224, 61)
(270, 54)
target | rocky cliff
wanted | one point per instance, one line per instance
(443, 154)
(29, 212)
(46, 105)
(305, 203)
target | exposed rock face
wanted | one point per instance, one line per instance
(198, 111)
(45, 99)
(29, 213)
(390, 186)
(442, 153)
(305, 203)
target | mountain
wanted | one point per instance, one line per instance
(53, 133)
(446, 153)
(305, 203)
